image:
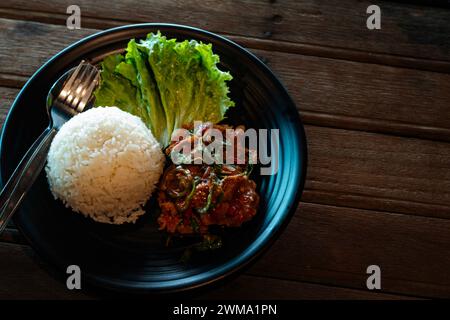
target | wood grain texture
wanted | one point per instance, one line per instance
(328, 92)
(24, 276)
(262, 288)
(29, 45)
(375, 166)
(7, 96)
(335, 245)
(365, 96)
(412, 31)
(252, 42)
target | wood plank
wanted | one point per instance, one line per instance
(410, 175)
(426, 3)
(260, 288)
(42, 42)
(253, 43)
(24, 277)
(366, 97)
(12, 80)
(328, 92)
(406, 29)
(7, 96)
(332, 245)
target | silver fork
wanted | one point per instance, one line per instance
(71, 100)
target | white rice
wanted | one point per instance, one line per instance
(105, 164)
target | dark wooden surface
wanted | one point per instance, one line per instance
(376, 105)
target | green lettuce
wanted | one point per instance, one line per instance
(166, 83)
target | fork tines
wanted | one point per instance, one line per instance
(78, 89)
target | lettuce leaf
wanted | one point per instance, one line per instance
(167, 83)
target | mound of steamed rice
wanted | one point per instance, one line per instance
(105, 164)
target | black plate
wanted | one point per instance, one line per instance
(134, 258)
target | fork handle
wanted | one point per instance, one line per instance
(24, 176)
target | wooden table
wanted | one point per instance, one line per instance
(376, 107)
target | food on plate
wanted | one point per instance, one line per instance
(192, 197)
(105, 163)
(166, 83)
